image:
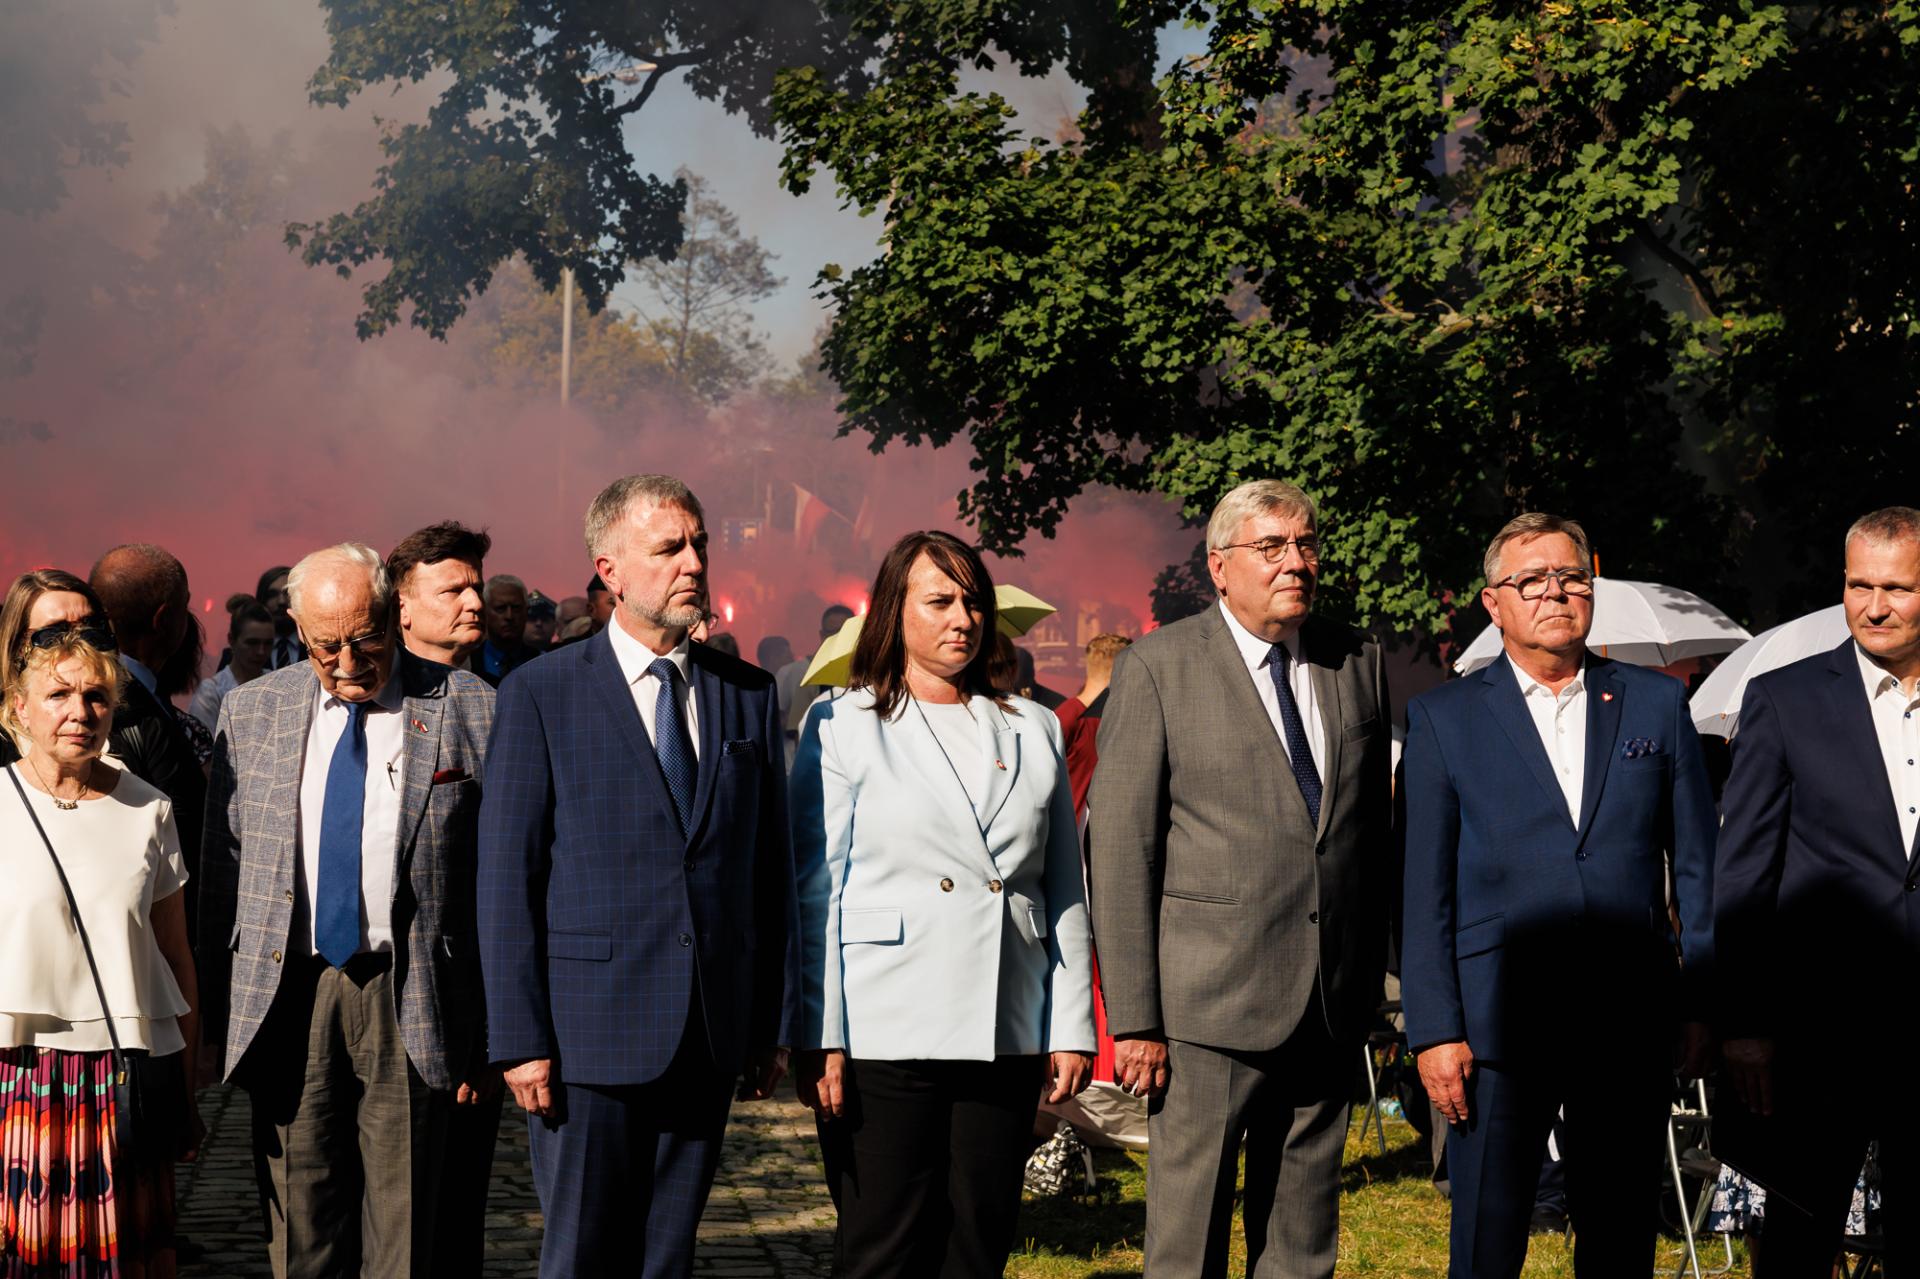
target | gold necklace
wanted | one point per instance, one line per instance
(64, 805)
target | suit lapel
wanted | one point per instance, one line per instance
(1000, 745)
(1243, 704)
(420, 727)
(708, 701)
(1858, 743)
(1507, 706)
(1606, 701)
(1326, 701)
(612, 691)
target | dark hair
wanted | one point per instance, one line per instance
(447, 540)
(880, 657)
(181, 672)
(829, 627)
(249, 611)
(596, 585)
(772, 649)
(1003, 665)
(136, 581)
(21, 596)
(268, 578)
(724, 642)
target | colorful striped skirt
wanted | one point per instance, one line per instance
(66, 1209)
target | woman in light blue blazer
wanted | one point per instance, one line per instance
(945, 954)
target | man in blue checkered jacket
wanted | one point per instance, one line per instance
(636, 898)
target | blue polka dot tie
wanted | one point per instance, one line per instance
(671, 743)
(1299, 753)
(336, 906)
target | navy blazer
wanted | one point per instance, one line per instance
(1816, 911)
(1508, 908)
(596, 914)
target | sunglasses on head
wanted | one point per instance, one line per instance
(90, 630)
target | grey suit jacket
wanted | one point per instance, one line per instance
(250, 862)
(1217, 909)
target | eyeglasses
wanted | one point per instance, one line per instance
(1273, 549)
(1575, 582)
(366, 647)
(89, 630)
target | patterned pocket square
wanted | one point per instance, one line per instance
(1640, 747)
(448, 775)
(742, 747)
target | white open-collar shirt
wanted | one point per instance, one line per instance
(634, 658)
(1257, 654)
(1561, 720)
(1896, 723)
(379, 818)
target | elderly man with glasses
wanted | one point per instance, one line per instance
(1546, 799)
(338, 963)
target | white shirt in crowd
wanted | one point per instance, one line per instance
(379, 818)
(121, 853)
(1896, 722)
(205, 705)
(1561, 721)
(1256, 652)
(634, 658)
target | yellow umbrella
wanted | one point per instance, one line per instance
(1019, 612)
(831, 665)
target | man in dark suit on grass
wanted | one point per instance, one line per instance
(1545, 796)
(636, 899)
(1241, 844)
(1817, 914)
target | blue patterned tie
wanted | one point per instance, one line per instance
(670, 741)
(336, 912)
(1299, 754)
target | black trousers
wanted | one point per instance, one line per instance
(925, 1167)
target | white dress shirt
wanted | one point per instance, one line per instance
(634, 658)
(1257, 653)
(1896, 722)
(1561, 721)
(205, 705)
(379, 819)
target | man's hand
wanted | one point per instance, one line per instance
(534, 1084)
(823, 1083)
(484, 1083)
(1694, 1050)
(1750, 1069)
(1068, 1073)
(1140, 1065)
(764, 1071)
(1444, 1071)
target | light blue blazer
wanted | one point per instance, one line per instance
(930, 929)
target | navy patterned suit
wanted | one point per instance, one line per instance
(1547, 948)
(648, 965)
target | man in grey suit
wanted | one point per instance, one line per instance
(1241, 845)
(339, 973)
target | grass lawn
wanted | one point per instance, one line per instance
(1391, 1222)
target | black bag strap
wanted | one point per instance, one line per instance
(73, 906)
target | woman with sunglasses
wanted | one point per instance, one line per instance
(40, 608)
(96, 975)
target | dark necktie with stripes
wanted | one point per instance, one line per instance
(671, 743)
(1279, 663)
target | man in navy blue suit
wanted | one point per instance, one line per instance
(636, 899)
(1817, 914)
(1546, 798)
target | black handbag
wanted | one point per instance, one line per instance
(149, 1093)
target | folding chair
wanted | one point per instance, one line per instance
(1691, 1123)
(1379, 1039)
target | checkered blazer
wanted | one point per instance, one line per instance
(596, 914)
(250, 862)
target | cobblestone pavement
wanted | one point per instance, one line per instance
(769, 1216)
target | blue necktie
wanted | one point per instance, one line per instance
(336, 910)
(1299, 754)
(671, 743)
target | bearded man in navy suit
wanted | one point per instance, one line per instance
(1546, 797)
(636, 898)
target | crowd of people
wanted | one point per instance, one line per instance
(427, 838)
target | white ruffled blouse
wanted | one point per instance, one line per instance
(121, 853)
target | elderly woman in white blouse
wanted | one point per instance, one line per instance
(946, 974)
(73, 1202)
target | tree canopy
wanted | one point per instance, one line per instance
(522, 152)
(1647, 265)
